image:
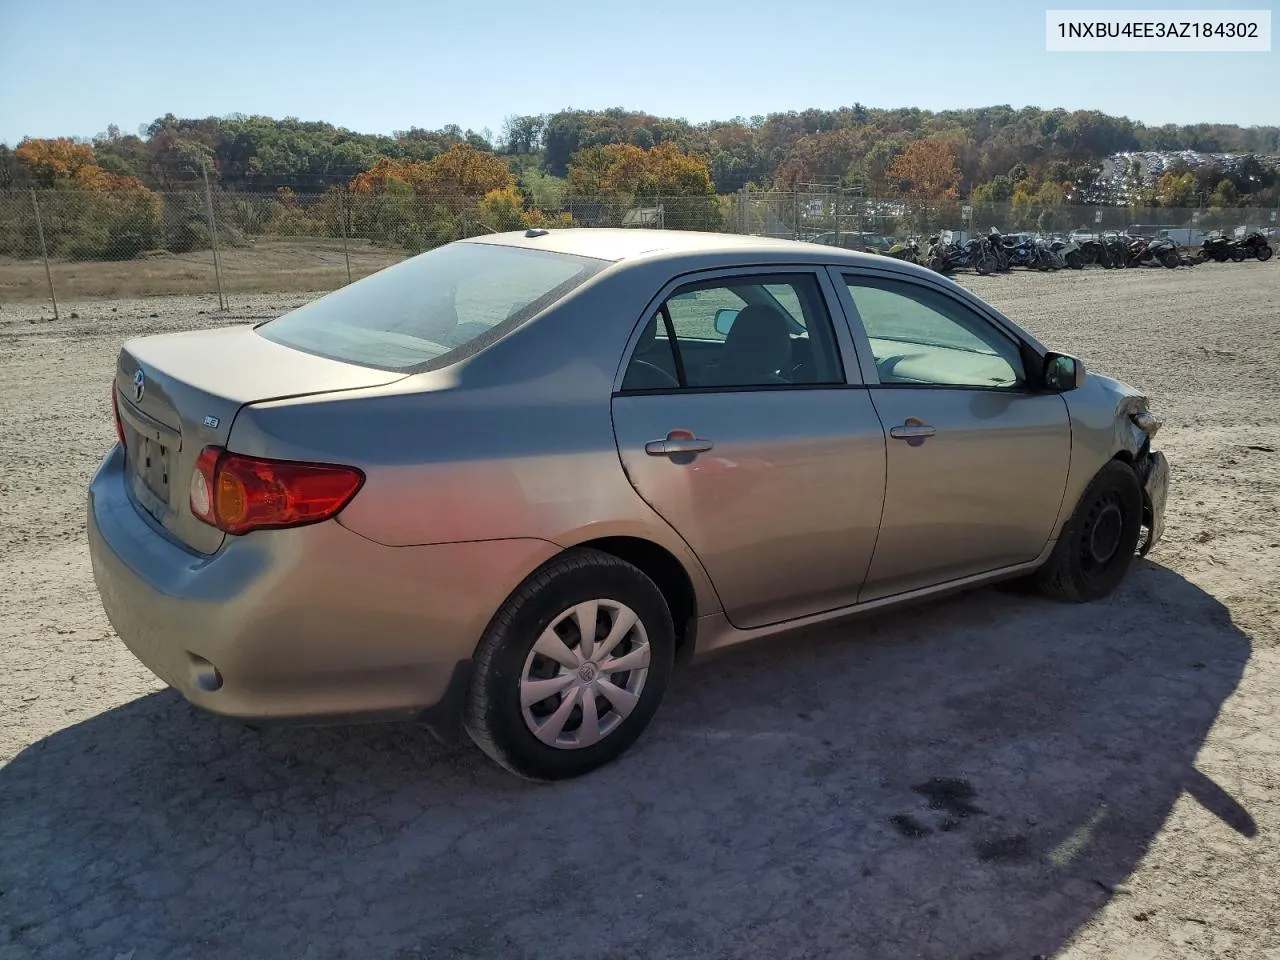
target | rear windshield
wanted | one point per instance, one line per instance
(433, 309)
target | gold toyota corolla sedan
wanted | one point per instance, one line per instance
(508, 485)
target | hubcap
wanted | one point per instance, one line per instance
(584, 675)
(1104, 532)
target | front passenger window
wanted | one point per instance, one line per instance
(921, 336)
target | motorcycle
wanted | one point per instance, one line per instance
(1254, 245)
(946, 257)
(1217, 248)
(992, 241)
(1161, 252)
(1095, 251)
(1025, 252)
(1070, 252)
(908, 250)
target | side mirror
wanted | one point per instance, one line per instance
(724, 321)
(1063, 372)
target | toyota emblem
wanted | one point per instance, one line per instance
(139, 386)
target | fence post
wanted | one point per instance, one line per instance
(343, 220)
(44, 252)
(213, 232)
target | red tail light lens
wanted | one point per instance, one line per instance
(115, 411)
(237, 494)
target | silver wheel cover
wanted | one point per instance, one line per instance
(584, 675)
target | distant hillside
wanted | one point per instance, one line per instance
(998, 152)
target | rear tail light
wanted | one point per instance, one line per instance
(115, 411)
(237, 494)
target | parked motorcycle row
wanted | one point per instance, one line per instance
(998, 253)
(1253, 246)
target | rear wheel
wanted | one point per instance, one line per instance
(572, 668)
(1098, 540)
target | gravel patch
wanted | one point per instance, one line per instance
(988, 776)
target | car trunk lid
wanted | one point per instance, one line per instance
(178, 393)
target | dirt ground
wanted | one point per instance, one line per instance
(991, 776)
(271, 265)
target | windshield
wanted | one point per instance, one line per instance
(433, 309)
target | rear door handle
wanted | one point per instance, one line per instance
(912, 430)
(677, 446)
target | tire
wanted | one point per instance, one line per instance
(1075, 261)
(983, 265)
(547, 604)
(1170, 259)
(1237, 255)
(1098, 541)
(1263, 252)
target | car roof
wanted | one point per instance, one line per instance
(617, 244)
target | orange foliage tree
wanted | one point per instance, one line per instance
(927, 170)
(623, 174)
(90, 213)
(422, 203)
(51, 161)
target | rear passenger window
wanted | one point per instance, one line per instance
(769, 331)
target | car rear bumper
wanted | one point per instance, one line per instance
(309, 624)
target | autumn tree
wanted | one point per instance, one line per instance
(51, 161)
(1176, 190)
(623, 174)
(926, 170)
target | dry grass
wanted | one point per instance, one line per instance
(275, 266)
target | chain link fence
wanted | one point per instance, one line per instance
(73, 244)
(845, 219)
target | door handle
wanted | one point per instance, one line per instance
(677, 446)
(912, 430)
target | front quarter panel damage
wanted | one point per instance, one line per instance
(1110, 419)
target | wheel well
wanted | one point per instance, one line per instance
(660, 566)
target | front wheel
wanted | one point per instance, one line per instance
(1237, 255)
(1263, 253)
(572, 668)
(983, 264)
(1075, 260)
(1170, 259)
(1098, 541)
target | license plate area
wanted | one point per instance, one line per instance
(152, 467)
(151, 453)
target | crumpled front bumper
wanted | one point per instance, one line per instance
(1153, 471)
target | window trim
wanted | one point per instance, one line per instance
(847, 355)
(1031, 353)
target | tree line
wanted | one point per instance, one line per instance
(417, 188)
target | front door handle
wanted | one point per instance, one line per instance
(913, 429)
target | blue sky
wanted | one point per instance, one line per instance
(74, 66)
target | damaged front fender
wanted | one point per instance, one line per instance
(1153, 472)
(1135, 424)
(1135, 427)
